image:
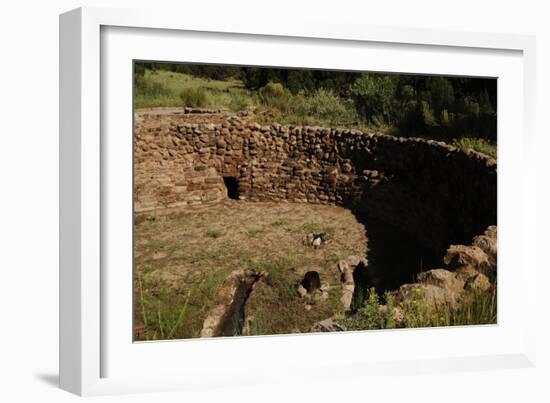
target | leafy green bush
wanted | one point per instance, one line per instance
(326, 106)
(239, 101)
(194, 97)
(367, 317)
(374, 96)
(275, 95)
(389, 318)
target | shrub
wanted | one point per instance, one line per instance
(475, 308)
(441, 93)
(367, 317)
(374, 96)
(148, 88)
(371, 311)
(416, 310)
(390, 320)
(194, 97)
(275, 95)
(239, 101)
(327, 106)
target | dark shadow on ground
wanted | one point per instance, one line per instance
(395, 257)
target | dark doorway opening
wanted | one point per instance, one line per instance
(232, 185)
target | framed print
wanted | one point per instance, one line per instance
(318, 198)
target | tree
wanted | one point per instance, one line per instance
(374, 95)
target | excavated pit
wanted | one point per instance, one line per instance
(228, 317)
(415, 197)
(311, 281)
(234, 322)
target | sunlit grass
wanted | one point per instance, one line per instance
(476, 144)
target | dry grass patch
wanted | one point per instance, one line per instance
(182, 260)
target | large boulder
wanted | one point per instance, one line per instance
(462, 255)
(347, 267)
(429, 294)
(478, 283)
(465, 273)
(442, 278)
(398, 315)
(488, 244)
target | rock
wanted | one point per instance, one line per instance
(302, 292)
(347, 296)
(465, 272)
(314, 239)
(343, 266)
(442, 278)
(428, 293)
(398, 315)
(327, 325)
(488, 245)
(308, 239)
(460, 255)
(347, 277)
(159, 255)
(354, 260)
(347, 167)
(347, 267)
(325, 287)
(478, 283)
(491, 232)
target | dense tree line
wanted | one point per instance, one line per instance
(435, 105)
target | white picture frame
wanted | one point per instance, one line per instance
(95, 355)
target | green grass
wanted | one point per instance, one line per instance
(275, 306)
(163, 88)
(169, 313)
(475, 308)
(476, 144)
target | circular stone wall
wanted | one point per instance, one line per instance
(434, 192)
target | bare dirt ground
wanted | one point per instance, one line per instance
(181, 261)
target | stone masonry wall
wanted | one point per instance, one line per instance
(427, 187)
